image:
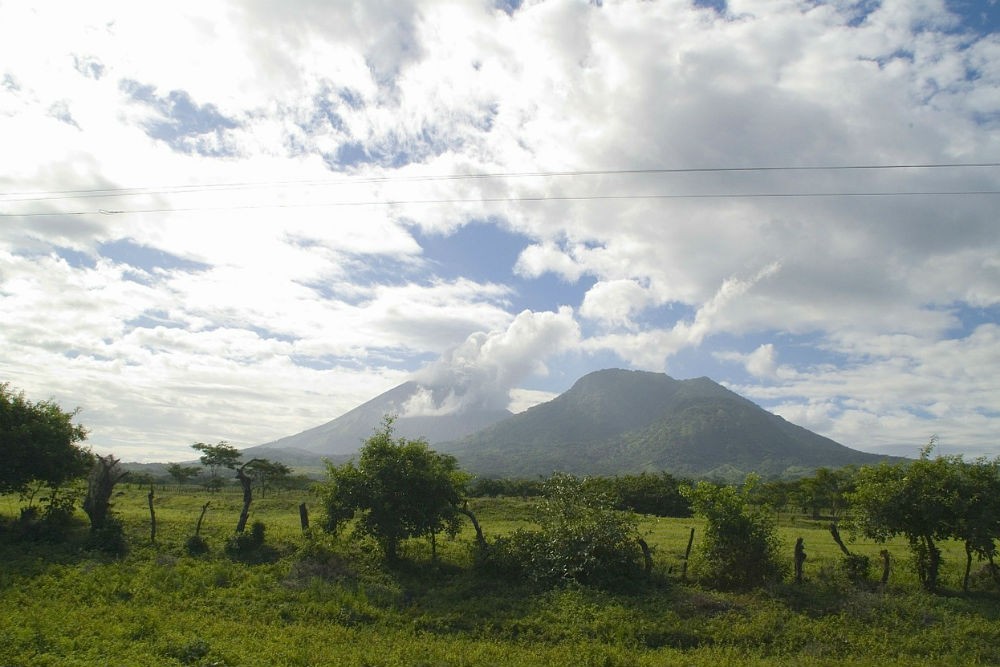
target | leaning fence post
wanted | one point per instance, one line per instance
(687, 556)
(800, 558)
(304, 517)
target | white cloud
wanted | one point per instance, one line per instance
(309, 110)
(614, 301)
(481, 372)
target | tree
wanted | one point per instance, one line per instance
(104, 475)
(740, 547)
(826, 490)
(38, 443)
(182, 473)
(929, 500)
(214, 457)
(400, 488)
(265, 473)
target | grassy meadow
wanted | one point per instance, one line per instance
(324, 601)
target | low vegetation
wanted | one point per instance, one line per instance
(415, 569)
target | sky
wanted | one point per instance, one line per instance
(239, 220)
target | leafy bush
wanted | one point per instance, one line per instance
(581, 538)
(196, 545)
(50, 523)
(740, 547)
(109, 537)
(249, 547)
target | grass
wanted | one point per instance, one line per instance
(324, 601)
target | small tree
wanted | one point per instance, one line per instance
(105, 474)
(38, 443)
(929, 500)
(181, 473)
(740, 547)
(266, 474)
(214, 457)
(581, 537)
(401, 489)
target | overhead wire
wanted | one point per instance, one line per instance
(107, 193)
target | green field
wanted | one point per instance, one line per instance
(320, 601)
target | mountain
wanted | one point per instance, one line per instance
(345, 434)
(618, 421)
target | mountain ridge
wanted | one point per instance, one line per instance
(612, 421)
(622, 421)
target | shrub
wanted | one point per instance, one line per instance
(581, 538)
(249, 547)
(196, 545)
(740, 547)
(109, 537)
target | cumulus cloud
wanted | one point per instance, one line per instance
(482, 371)
(284, 160)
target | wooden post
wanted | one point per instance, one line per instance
(304, 517)
(152, 516)
(885, 569)
(800, 558)
(204, 508)
(687, 555)
(647, 556)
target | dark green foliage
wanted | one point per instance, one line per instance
(929, 500)
(196, 545)
(266, 474)
(38, 443)
(646, 493)
(489, 487)
(250, 547)
(216, 457)
(400, 488)
(740, 546)
(190, 653)
(181, 473)
(581, 537)
(50, 523)
(109, 537)
(857, 567)
(825, 490)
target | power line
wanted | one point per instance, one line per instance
(212, 187)
(491, 200)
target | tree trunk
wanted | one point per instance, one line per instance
(247, 483)
(480, 540)
(247, 499)
(836, 538)
(152, 517)
(968, 567)
(101, 484)
(933, 563)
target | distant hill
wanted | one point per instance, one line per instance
(345, 434)
(619, 421)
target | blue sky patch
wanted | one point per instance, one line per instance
(484, 251)
(126, 251)
(75, 258)
(185, 125)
